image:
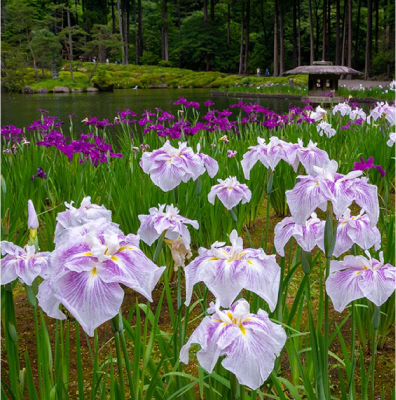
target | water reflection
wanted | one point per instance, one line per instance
(21, 110)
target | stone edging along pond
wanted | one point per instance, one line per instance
(283, 96)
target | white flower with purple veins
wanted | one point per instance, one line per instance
(226, 270)
(357, 113)
(270, 154)
(342, 108)
(86, 277)
(392, 139)
(21, 263)
(230, 192)
(355, 229)
(385, 111)
(319, 114)
(76, 217)
(311, 156)
(249, 342)
(168, 166)
(356, 277)
(326, 129)
(165, 220)
(307, 236)
(312, 192)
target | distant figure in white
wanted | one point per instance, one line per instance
(107, 60)
(258, 71)
(135, 88)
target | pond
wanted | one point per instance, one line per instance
(21, 109)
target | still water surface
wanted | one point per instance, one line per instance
(21, 109)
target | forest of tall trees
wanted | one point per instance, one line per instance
(221, 35)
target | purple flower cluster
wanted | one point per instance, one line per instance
(92, 148)
(45, 124)
(40, 174)
(12, 133)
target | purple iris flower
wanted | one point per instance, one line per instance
(356, 277)
(40, 174)
(249, 342)
(209, 103)
(226, 270)
(72, 218)
(161, 220)
(307, 236)
(22, 263)
(312, 192)
(231, 153)
(168, 166)
(230, 192)
(40, 110)
(364, 165)
(86, 273)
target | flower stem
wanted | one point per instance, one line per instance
(352, 373)
(376, 319)
(119, 362)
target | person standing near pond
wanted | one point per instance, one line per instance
(266, 73)
(258, 71)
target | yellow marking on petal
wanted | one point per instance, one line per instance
(358, 272)
(343, 223)
(241, 254)
(246, 319)
(249, 262)
(124, 248)
(229, 314)
(213, 259)
(114, 258)
(364, 267)
(93, 272)
(230, 188)
(243, 330)
(316, 184)
(88, 253)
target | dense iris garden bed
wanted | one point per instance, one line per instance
(266, 239)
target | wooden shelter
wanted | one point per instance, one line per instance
(323, 77)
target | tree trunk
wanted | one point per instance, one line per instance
(328, 30)
(136, 33)
(34, 62)
(93, 72)
(376, 25)
(54, 70)
(276, 38)
(140, 11)
(311, 35)
(247, 28)
(212, 10)
(205, 9)
(349, 33)
(317, 36)
(113, 18)
(282, 42)
(324, 30)
(179, 28)
(121, 31)
(368, 41)
(70, 47)
(165, 40)
(241, 46)
(357, 42)
(228, 24)
(294, 34)
(344, 33)
(299, 32)
(337, 55)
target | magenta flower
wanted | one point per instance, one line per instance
(226, 270)
(249, 342)
(231, 153)
(87, 273)
(24, 264)
(168, 166)
(208, 103)
(312, 192)
(40, 174)
(161, 220)
(363, 165)
(356, 277)
(230, 192)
